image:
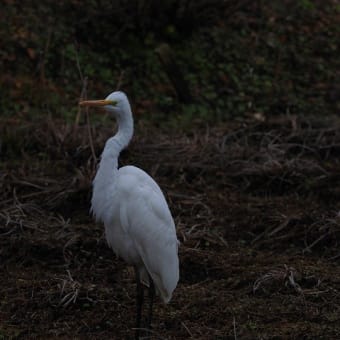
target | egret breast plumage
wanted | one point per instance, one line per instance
(138, 223)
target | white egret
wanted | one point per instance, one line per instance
(138, 223)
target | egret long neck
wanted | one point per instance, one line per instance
(125, 131)
(104, 183)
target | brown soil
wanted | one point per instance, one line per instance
(257, 210)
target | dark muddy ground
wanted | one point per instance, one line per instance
(257, 209)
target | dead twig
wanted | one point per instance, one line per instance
(286, 275)
(72, 295)
(234, 326)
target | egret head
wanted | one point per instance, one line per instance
(116, 103)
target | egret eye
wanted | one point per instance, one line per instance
(112, 102)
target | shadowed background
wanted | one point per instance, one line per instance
(236, 107)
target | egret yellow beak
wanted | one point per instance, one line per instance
(97, 102)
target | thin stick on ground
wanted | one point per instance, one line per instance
(120, 80)
(83, 96)
(234, 324)
(83, 93)
(187, 329)
(90, 135)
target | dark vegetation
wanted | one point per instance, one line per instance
(248, 159)
(237, 57)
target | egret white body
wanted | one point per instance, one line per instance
(138, 223)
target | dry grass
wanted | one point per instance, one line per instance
(257, 210)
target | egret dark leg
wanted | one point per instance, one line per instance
(139, 304)
(151, 298)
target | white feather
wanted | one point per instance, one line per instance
(138, 223)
